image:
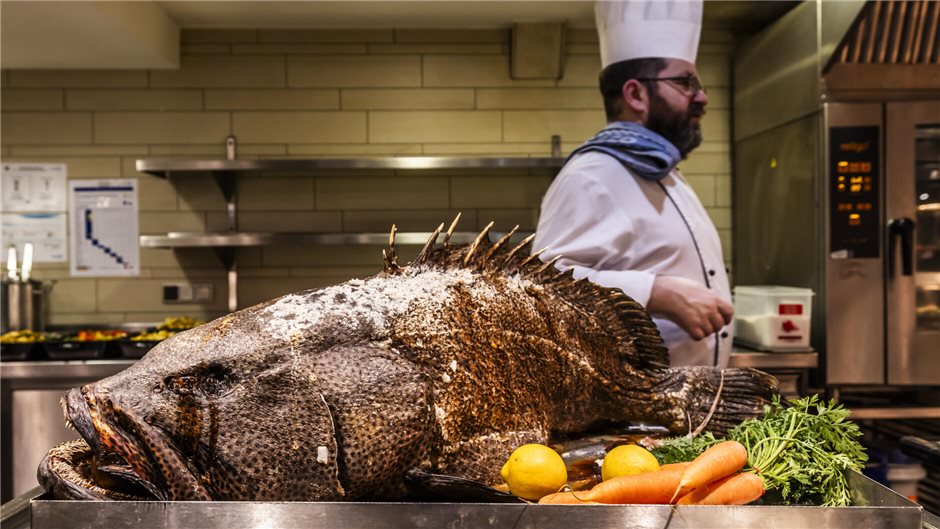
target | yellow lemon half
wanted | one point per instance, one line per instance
(626, 460)
(534, 471)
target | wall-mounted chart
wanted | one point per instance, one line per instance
(104, 232)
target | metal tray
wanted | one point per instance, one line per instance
(875, 507)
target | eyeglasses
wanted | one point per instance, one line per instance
(690, 84)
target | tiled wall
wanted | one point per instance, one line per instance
(321, 93)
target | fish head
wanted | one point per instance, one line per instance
(218, 412)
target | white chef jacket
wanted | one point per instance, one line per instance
(620, 231)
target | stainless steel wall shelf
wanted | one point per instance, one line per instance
(226, 172)
(163, 167)
(235, 240)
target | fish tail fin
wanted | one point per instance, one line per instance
(710, 399)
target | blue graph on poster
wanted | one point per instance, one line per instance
(104, 228)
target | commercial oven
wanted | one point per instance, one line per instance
(837, 182)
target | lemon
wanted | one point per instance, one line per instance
(534, 471)
(626, 460)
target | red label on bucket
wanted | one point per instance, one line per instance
(789, 309)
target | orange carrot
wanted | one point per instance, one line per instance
(738, 489)
(674, 466)
(718, 461)
(568, 498)
(648, 487)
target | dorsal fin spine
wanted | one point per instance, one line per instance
(476, 243)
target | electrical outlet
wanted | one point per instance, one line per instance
(187, 293)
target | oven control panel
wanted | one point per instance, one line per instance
(854, 204)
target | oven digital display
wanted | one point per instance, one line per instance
(854, 207)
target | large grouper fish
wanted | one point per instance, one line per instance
(444, 365)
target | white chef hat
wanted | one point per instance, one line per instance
(637, 29)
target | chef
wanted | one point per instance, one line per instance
(620, 213)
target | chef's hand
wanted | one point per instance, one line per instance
(696, 309)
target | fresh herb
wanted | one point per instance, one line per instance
(801, 449)
(685, 448)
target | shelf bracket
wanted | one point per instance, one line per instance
(227, 256)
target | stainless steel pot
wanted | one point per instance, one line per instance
(23, 305)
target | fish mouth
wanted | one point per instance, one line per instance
(122, 457)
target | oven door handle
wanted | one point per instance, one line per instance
(901, 228)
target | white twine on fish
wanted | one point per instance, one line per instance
(721, 386)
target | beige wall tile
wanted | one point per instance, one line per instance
(249, 256)
(704, 187)
(715, 70)
(406, 99)
(535, 126)
(721, 217)
(584, 49)
(539, 98)
(133, 99)
(498, 192)
(161, 127)
(472, 71)
(438, 49)
(155, 194)
(504, 219)
(382, 193)
(204, 35)
(44, 128)
(280, 221)
(581, 36)
(431, 127)
(275, 194)
(222, 71)
(80, 167)
(205, 49)
(305, 49)
(580, 71)
(4, 78)
(189, 259)
(198, 193)
(81, 150)
(489, 149)
(712, 35)
(263, 272)
(146, 295)
(161, 223)
(423, 220)
(325, 35)
(252, 291)
(723, 194)
(718, 98)
(386, 149)
(4, 150)
(716, 126)
(82, 318)
(727, 248)
(300, 127)
(451, 35)
(706, 163)
(327, 255)
(261, 151)
(272, 99)
(78, 79)
(354, 71)
(31, 100)
(73, 295)
(188, 273)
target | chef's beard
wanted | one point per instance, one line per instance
(677, 127)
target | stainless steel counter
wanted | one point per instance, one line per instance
(874, 507)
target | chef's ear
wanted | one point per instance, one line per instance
(635, 96)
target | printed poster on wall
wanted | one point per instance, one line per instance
(47, 232)
(104, 230)
(33, 187)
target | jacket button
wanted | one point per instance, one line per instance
(711, 272)
(724, 334)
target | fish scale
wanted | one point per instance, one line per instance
(444, 365)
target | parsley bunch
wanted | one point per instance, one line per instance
(801, 449)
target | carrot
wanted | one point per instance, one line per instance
(738, 489)
(674, 466)
(648, 487)
(567, 498)
(718, 461)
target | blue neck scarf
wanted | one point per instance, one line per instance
(640, 150)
